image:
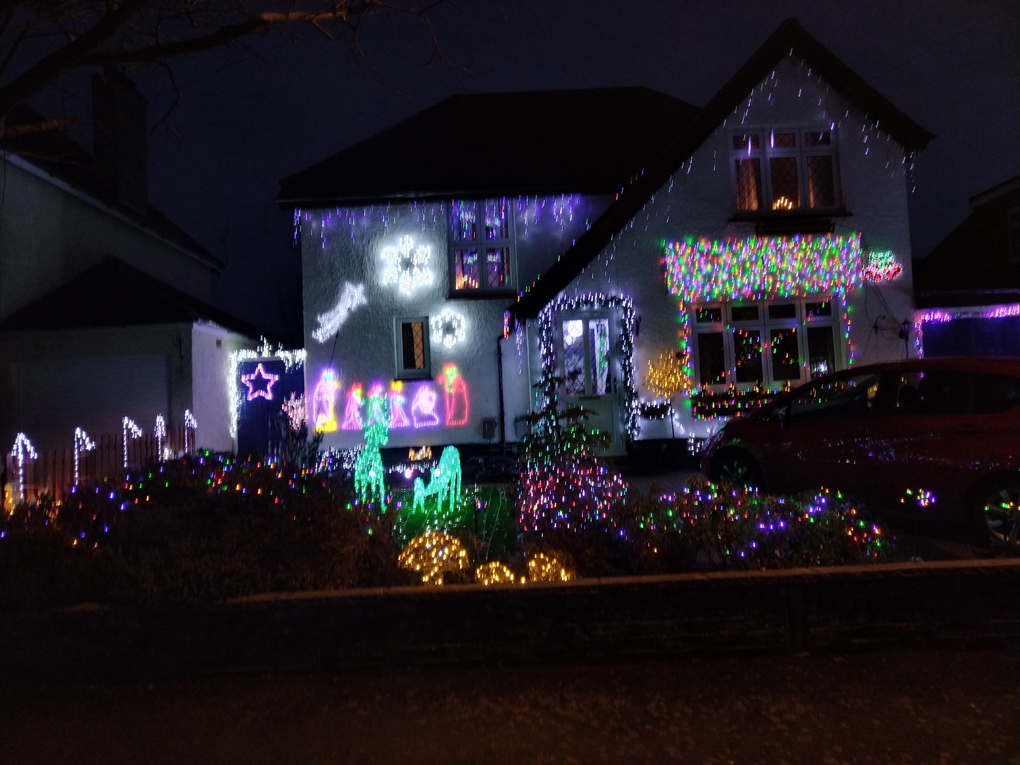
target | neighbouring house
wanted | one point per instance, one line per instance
(104, 302)
(968, 287)
(659, 264)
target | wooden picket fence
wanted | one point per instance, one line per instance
(52, 472)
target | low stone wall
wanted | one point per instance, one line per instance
(589, 620)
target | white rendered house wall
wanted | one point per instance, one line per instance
(366, 268)
(699, 202)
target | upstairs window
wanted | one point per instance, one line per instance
(784, 170)
(482, 247)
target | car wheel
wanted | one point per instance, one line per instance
(737, 468)
(996, 511)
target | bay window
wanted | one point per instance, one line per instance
(765, 342)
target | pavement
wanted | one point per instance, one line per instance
(920, 706)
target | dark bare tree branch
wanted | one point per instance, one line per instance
(76, 34)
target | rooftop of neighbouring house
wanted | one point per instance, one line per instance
(978, 263)
(500, 144)
(54, 154)
(114, 294)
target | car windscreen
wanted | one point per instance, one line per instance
(854, 396)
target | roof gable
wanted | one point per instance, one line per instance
(56, 155)
(499, 144)
(114, 294)
(789, 39)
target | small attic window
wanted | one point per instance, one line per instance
(784, 170)
(482, 247)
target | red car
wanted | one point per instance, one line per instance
(928, 440)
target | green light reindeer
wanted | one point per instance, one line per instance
(445, 481)
(369, 473)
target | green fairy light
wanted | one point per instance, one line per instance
(369, 473)
(445, 482)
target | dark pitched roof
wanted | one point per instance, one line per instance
(499, 144)
(114, 294)
(790, 36)
(975, 257)
(57, 155)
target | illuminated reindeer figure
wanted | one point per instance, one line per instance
(445, 481)
(369, 473)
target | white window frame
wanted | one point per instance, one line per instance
(802, 322)
(481, 245)
(587, 316)
(800, 151)
(398, 342)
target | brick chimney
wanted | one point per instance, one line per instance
(119, 138)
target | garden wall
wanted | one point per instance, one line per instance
(835, 609)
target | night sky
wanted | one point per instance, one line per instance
(249, 119)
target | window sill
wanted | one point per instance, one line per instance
(482, 295)
(772, 222)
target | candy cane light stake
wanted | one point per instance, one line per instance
(129, 428)
(23, 450)
(82, 443)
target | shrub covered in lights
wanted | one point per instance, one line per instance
(715, 526)
(197, 529)
(562, 483)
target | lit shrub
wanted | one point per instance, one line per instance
(432, 554)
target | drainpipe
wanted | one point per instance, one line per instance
(502, 409)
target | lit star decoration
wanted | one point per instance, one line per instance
(433, 553)
(331, 321)
(190, 423)
(407, 266)
(254, 383)
(882, 266)
(448, 328)
(23, 450)
(160, 432)
(759, 268)
(445, 482)
(289, 358)
(82, 443)
(942, 315)
(129, 429)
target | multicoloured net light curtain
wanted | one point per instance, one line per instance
(758, 268)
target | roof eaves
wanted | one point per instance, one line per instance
(789, 38)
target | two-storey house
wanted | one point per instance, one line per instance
(663, 266)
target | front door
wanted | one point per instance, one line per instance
(589, 343)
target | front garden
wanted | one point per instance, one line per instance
(208, 527)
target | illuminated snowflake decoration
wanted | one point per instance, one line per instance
(449, 328)
(407, 266)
